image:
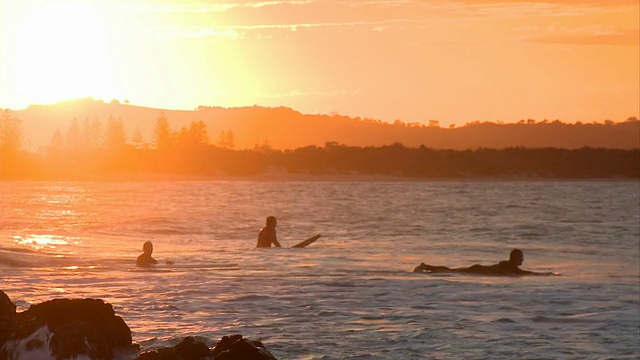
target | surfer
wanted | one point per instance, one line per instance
(145, 259)
(507, 267)
(267, 234)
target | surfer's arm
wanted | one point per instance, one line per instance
(275, 242)
(527, 272)
(544, 273)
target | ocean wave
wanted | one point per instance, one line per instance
(563, 320)
(11, 262)
(15, 257)
(16, 250)
(504, 320)
(35, 346)
(22, 257)
(248, 298)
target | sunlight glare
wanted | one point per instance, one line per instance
(38, 242)
(60, 52)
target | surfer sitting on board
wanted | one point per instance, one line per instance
(267, 234)
(145, 259)
(507, 267)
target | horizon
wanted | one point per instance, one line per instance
(455, 61)
(254, 126)
(425, 123)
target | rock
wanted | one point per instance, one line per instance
(7, 318)
(233, 347)
(188, 349)
(160, 354)
(75, 327)
(236, 347)
(7, 307)
(70, 328)
(225, 343)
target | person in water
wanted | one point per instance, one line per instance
(145, 259)
(267, 234)
(507, 267)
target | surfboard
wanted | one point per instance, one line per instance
(307, 242)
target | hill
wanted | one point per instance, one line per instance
(285, 128)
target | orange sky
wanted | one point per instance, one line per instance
(455, 61)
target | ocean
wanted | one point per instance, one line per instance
(351, 294)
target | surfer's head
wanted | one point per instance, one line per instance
(516, 257)
(147, 248)
(271, 221)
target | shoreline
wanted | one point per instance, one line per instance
(282, 176)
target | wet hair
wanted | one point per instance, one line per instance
(271, 220)
(147, 247)
(516, 253)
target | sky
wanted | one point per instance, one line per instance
(454, 61)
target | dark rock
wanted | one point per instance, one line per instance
(225, 343)
(160, 354)
(188, 349)
(7, 318)
(233, 347)
(237, 348)
(89, 327)
(79, 326)
(7, 307)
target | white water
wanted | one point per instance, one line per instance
(350, 295)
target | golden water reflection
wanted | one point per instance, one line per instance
(38, 242)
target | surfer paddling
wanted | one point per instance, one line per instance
(507, 267)
(145, 259)
(267, 234)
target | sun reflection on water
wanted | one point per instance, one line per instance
(38, 242)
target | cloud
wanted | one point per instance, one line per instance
(188, 8)
(197, 7)
(377, 16)
(533, 8)
(299, 93)
(275, 3)
(606, 3)
(235, 32)
(619, 38)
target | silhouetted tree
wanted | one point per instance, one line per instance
(56, 147)
(198, 133)
(74, 138)
(137, 139)
(162, 138)
(116, 136)
(226, 139)
(11, 133)
(92, 131)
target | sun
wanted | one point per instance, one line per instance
(59, 51)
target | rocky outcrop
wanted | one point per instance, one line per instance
(238, 348)
(7, 317)
(233, 347)
(68, 328)
(189, 348)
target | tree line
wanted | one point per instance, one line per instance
(102, 150)
(285, 128)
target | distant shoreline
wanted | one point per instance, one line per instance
(306, 177)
